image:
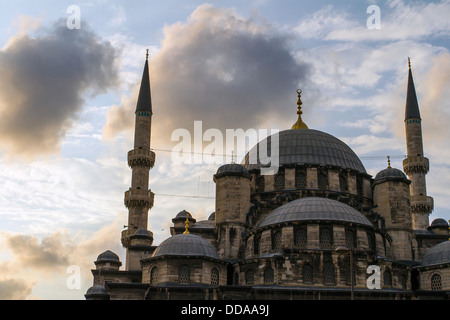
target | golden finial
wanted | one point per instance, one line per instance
(146, 56)
(389, 161)
(409, 63)
(299, 124)
(187, 226)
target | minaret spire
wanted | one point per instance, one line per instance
(139, 198)
(416, 165)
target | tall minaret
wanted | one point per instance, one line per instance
(139, 199)
(416, 165)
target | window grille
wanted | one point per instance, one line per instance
(328, 274)
(307, 274)
(300, 238)
(300, 179)
(279, 180)
(323, 181)
(214, 277)
(326, 238)
(276, 240)
(350, 239)
(436, 282)
(184, 275)
(268, 276)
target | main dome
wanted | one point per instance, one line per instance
(306, 146)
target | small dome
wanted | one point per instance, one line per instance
(212, 216)
(108, 256)
(233, 167)
(438, 254)
(390, 173)
(186, 245)
(96, 289)
(439, 223)
(314, 209)
(183, 214)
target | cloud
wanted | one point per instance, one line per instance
(45, 79)
(218, 67)
(35, 263)
(398, 21)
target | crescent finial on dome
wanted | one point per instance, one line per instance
(299, 124)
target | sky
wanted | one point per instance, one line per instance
(70, 75)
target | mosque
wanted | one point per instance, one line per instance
(320, 227)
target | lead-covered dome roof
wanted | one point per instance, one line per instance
(306, 146)
(186, 245)
(438, 254)
(315, 209)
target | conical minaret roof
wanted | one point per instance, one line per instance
(144, 102)
(412, 107)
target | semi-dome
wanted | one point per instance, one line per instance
(305, 147)
(186, 245)
(97, 289)
(438, 254)
(315, 209)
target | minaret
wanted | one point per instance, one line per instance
(139, 199)
(416, 165)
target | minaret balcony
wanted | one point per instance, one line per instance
(422, 204)
(141, 157)
(416, 164)
(135, 198)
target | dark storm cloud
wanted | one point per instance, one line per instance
(44, 81)
(228, 71)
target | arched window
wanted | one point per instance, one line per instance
(154, 275)
(359, 186)
(276, 240)
(436, 282)
(343, 185)
(300, 238)
(323, 180)
(350, 239)
(279, 182)
(268, 276)
(236, 278)
(328, 274)
(371, 241)
(214, 277)
(260, 184)
(326, 237)
(300, 179)
(256, 243)
(307, 273)
(387, 279)
(184, 275)
(249, 277)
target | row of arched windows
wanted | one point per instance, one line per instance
(326, 240)
(184, 275)
(301, 182)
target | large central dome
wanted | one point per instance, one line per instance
(306, 146)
